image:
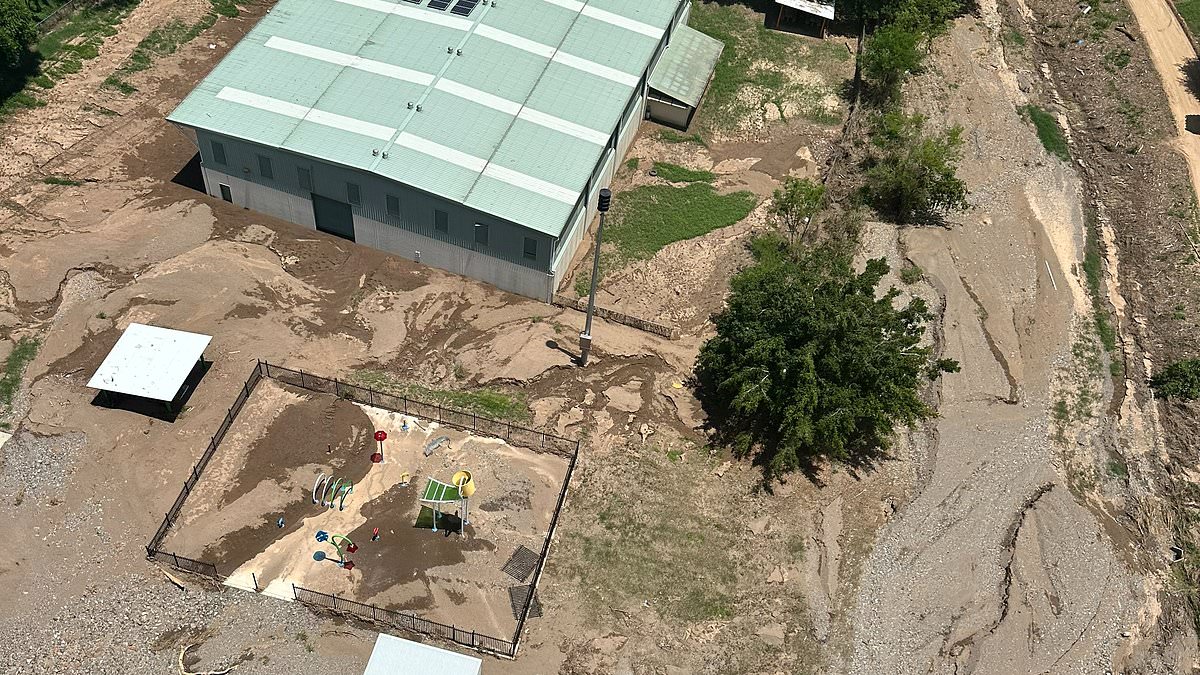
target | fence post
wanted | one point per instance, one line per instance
(335, 387)
(176, 559)
(405, 404)
(474, 422)
(302, 380)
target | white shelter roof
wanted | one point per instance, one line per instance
(150, 361)
(395, 656)
(821, 9)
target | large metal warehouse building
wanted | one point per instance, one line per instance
(471, 136)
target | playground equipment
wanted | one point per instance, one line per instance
(457, 491)
(341, 544)
(331, 491)
(380, 436)
(436, 443)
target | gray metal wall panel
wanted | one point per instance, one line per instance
(268, 200)
(502, 274)
(505, 240)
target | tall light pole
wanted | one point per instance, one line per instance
(585, 338)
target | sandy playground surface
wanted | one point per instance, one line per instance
(266, 468)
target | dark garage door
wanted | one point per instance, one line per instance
(333, 217)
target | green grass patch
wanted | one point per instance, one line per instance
(672, 136)
(642, 547)
(680, 174)
(1093, 271)
(14, 368)
(750, 75)
(163, 41)
(583, 283)
(647, 218)
(1190, 11)
(1048, 131)
(1014, 37)
(59, 180)
(632, 163)
(485, 401)
(911, 274)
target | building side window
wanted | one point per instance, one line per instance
(530, 248)
(352, 194)
(393, 206)
(481, 234)
(218, 152)
(304, 176)
(441, 221)
(264, 167)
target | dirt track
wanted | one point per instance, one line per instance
(1173, 54)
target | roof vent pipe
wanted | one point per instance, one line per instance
(458, 52)
(410, 105)
(418, 108)
(374, 152)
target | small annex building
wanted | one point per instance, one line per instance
(471, 136)
(397, 656)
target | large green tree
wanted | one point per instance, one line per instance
(808, 363)
(18, 30)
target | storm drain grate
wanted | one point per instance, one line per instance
(521, 564)
(518, 596)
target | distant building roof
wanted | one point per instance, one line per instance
(687, 64)
(513, 126)
(395, 656)
(823, 10)
(150, 361)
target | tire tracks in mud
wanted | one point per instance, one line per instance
(993, 346)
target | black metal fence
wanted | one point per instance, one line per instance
(152, 549)
(514, 434)
(630, 320)
(402, 621)
(468, 421)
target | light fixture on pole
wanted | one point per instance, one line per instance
(585, 338)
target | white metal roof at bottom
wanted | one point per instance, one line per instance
(825, 10)
(395, 656)
(150, 361)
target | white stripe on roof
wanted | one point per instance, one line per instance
(327, 119)
(446, 85)
(609, 17)
(559, 124)
(410, 12)
(578, 63)
(524, 44)
(350, 60)
(439, 151)
(477, 95)
(545, 188)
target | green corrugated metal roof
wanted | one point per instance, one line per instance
(687, 64)
(513, 126)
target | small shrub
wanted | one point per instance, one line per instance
(911, 274)
(1179, 380)
(59, 180)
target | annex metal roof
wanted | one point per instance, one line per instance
(686, 65)
(825, 10)
(396, 656)
(150, 361)
(517, 98)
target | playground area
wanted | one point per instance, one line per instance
(301, 492)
